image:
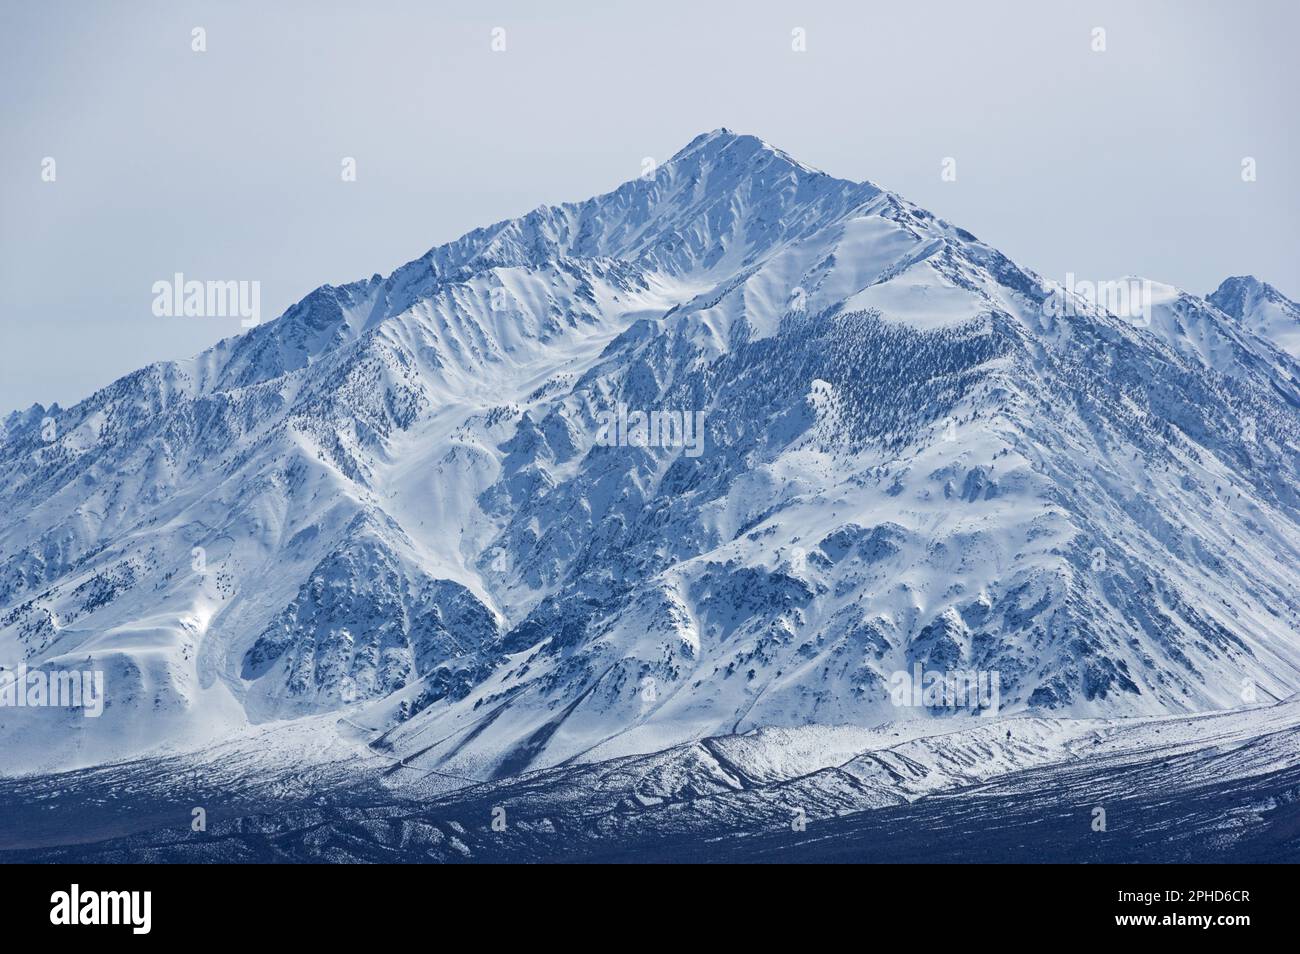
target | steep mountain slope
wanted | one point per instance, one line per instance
(395, 501)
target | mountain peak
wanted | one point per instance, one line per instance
(404, 483)
(1261, 309)
(717, 139)
(1239, 291)
(739, 147)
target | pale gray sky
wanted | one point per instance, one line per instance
(226, 164)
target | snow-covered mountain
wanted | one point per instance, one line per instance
(1261, 309)
(395, 504)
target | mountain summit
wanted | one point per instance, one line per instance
(432, 508)
(1261, 309)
